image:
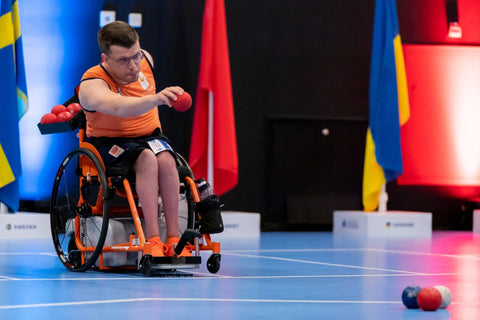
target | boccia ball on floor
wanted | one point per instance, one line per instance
(429, 299)
(446, 296)
(409, 296)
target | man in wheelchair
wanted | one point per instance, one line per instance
(120, 103)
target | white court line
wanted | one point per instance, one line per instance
(446, 255)
(235, 253)
(475, 257)
(296, 250)
(209, 277)
(318, 263)
(81, 303)
(347, 276)
(50, 254)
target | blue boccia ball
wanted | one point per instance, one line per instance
(409, 296)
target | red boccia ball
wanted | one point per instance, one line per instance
(183, 102)
(48, 118)
(59, 108)
(74, 107)
(429, 299)
(64, 116)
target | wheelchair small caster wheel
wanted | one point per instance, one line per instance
(145, 265)
(75, 258)
(74, 255)
(213, 263)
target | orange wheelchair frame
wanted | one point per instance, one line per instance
(87, 200)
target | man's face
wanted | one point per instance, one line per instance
(123, 64)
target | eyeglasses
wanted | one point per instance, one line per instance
(123, 62)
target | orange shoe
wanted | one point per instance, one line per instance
(170, 250)
(158, 248)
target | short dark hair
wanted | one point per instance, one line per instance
(117, 33)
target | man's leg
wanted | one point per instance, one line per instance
(169, 186)
(146, 171)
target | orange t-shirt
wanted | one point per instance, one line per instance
(104, 125)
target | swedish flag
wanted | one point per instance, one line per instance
(13, 101)
(388, 103)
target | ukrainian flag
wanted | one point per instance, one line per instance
(13, 101)
(388, 103)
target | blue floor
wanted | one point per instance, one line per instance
(308, 275)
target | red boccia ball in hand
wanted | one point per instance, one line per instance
(48, 118)
(183, 102)
(64, 116)
(429, 299)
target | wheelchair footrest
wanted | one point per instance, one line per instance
(173, 261)
(187, 236)
(149, 264)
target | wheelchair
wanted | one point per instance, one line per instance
(96, 219)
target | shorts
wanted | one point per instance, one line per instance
(122, 153)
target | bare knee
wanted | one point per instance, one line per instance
(146, 163)
(166, 160)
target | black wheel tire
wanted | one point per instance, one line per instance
(145, 266)
(65, 208)
(213, 263)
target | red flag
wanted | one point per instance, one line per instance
(214, 92)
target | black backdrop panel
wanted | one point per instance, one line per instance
(314, 166)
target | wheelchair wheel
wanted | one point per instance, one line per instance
(213, 263)
(79, 210)
(187, 215)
